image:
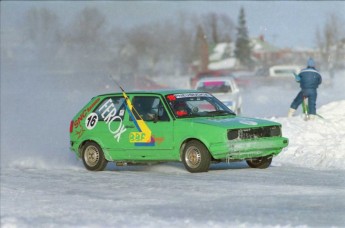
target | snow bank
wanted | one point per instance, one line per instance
(317, 144)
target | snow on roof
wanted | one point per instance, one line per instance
(220, 49)
(260, 45)
(223, 64)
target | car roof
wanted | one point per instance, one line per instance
(158, 91)
(223, 78)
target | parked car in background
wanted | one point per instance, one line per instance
(208, 74)
(284, 70)
(241, 78)
(223, 88)
(170, 125)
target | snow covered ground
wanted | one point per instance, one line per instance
(44, 185)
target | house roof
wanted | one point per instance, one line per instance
(260, 45)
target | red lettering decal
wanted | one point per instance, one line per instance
(171, 97)
(80, 132)
(159, 140)
(85, 112)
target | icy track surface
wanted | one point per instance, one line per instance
(168, 196)
(44, 185)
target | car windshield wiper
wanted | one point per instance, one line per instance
(220, 113)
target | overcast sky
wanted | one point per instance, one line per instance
(283, 23)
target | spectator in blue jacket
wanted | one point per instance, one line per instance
(309, 79)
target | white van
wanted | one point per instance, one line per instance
(284, 70)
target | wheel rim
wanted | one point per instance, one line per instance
(256, 161)
(193, 157)
(91, 156)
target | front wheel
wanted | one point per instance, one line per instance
(93, 157)
(196, 157)
(261, 162)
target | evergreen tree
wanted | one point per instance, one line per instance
(243, 49)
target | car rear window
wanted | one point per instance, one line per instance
(214, 86)
(110, 107)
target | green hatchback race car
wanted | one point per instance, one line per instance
(170, 125)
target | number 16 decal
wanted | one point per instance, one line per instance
(91, 120)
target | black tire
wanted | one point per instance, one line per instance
(196, 157)
(261, 162)
(93, 157)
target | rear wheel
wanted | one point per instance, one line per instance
(93, 157)
(261, 162)
(196, 157)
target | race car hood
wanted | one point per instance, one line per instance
(235, 122)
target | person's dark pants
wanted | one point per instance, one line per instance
(311, 94)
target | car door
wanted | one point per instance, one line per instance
(150, 129)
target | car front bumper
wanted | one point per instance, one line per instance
(248, 148)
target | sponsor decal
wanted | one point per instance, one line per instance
(85, 112)
(171, 97)
(159, 140)
(248, 122)
(143, 137)
(184, 95)
(80, 132)
(91, 120)
(79, 128)
(242, 121)
(115, 123)
(222, 120)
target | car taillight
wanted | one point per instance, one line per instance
(71, 127)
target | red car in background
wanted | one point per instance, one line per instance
(218, 73)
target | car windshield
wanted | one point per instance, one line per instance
(214, 87)
(189, 105)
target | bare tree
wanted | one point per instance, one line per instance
(144, 43)
(214, 28)
(160, 48)
(329, 42)
(86, 37)
(183, 42)
(42, 30)
(219, 27)
(203, 49)
(86, 42)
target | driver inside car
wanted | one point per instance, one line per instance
(181, 109)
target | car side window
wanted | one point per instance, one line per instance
(226, 88)
(149, 108)
(111, 107)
